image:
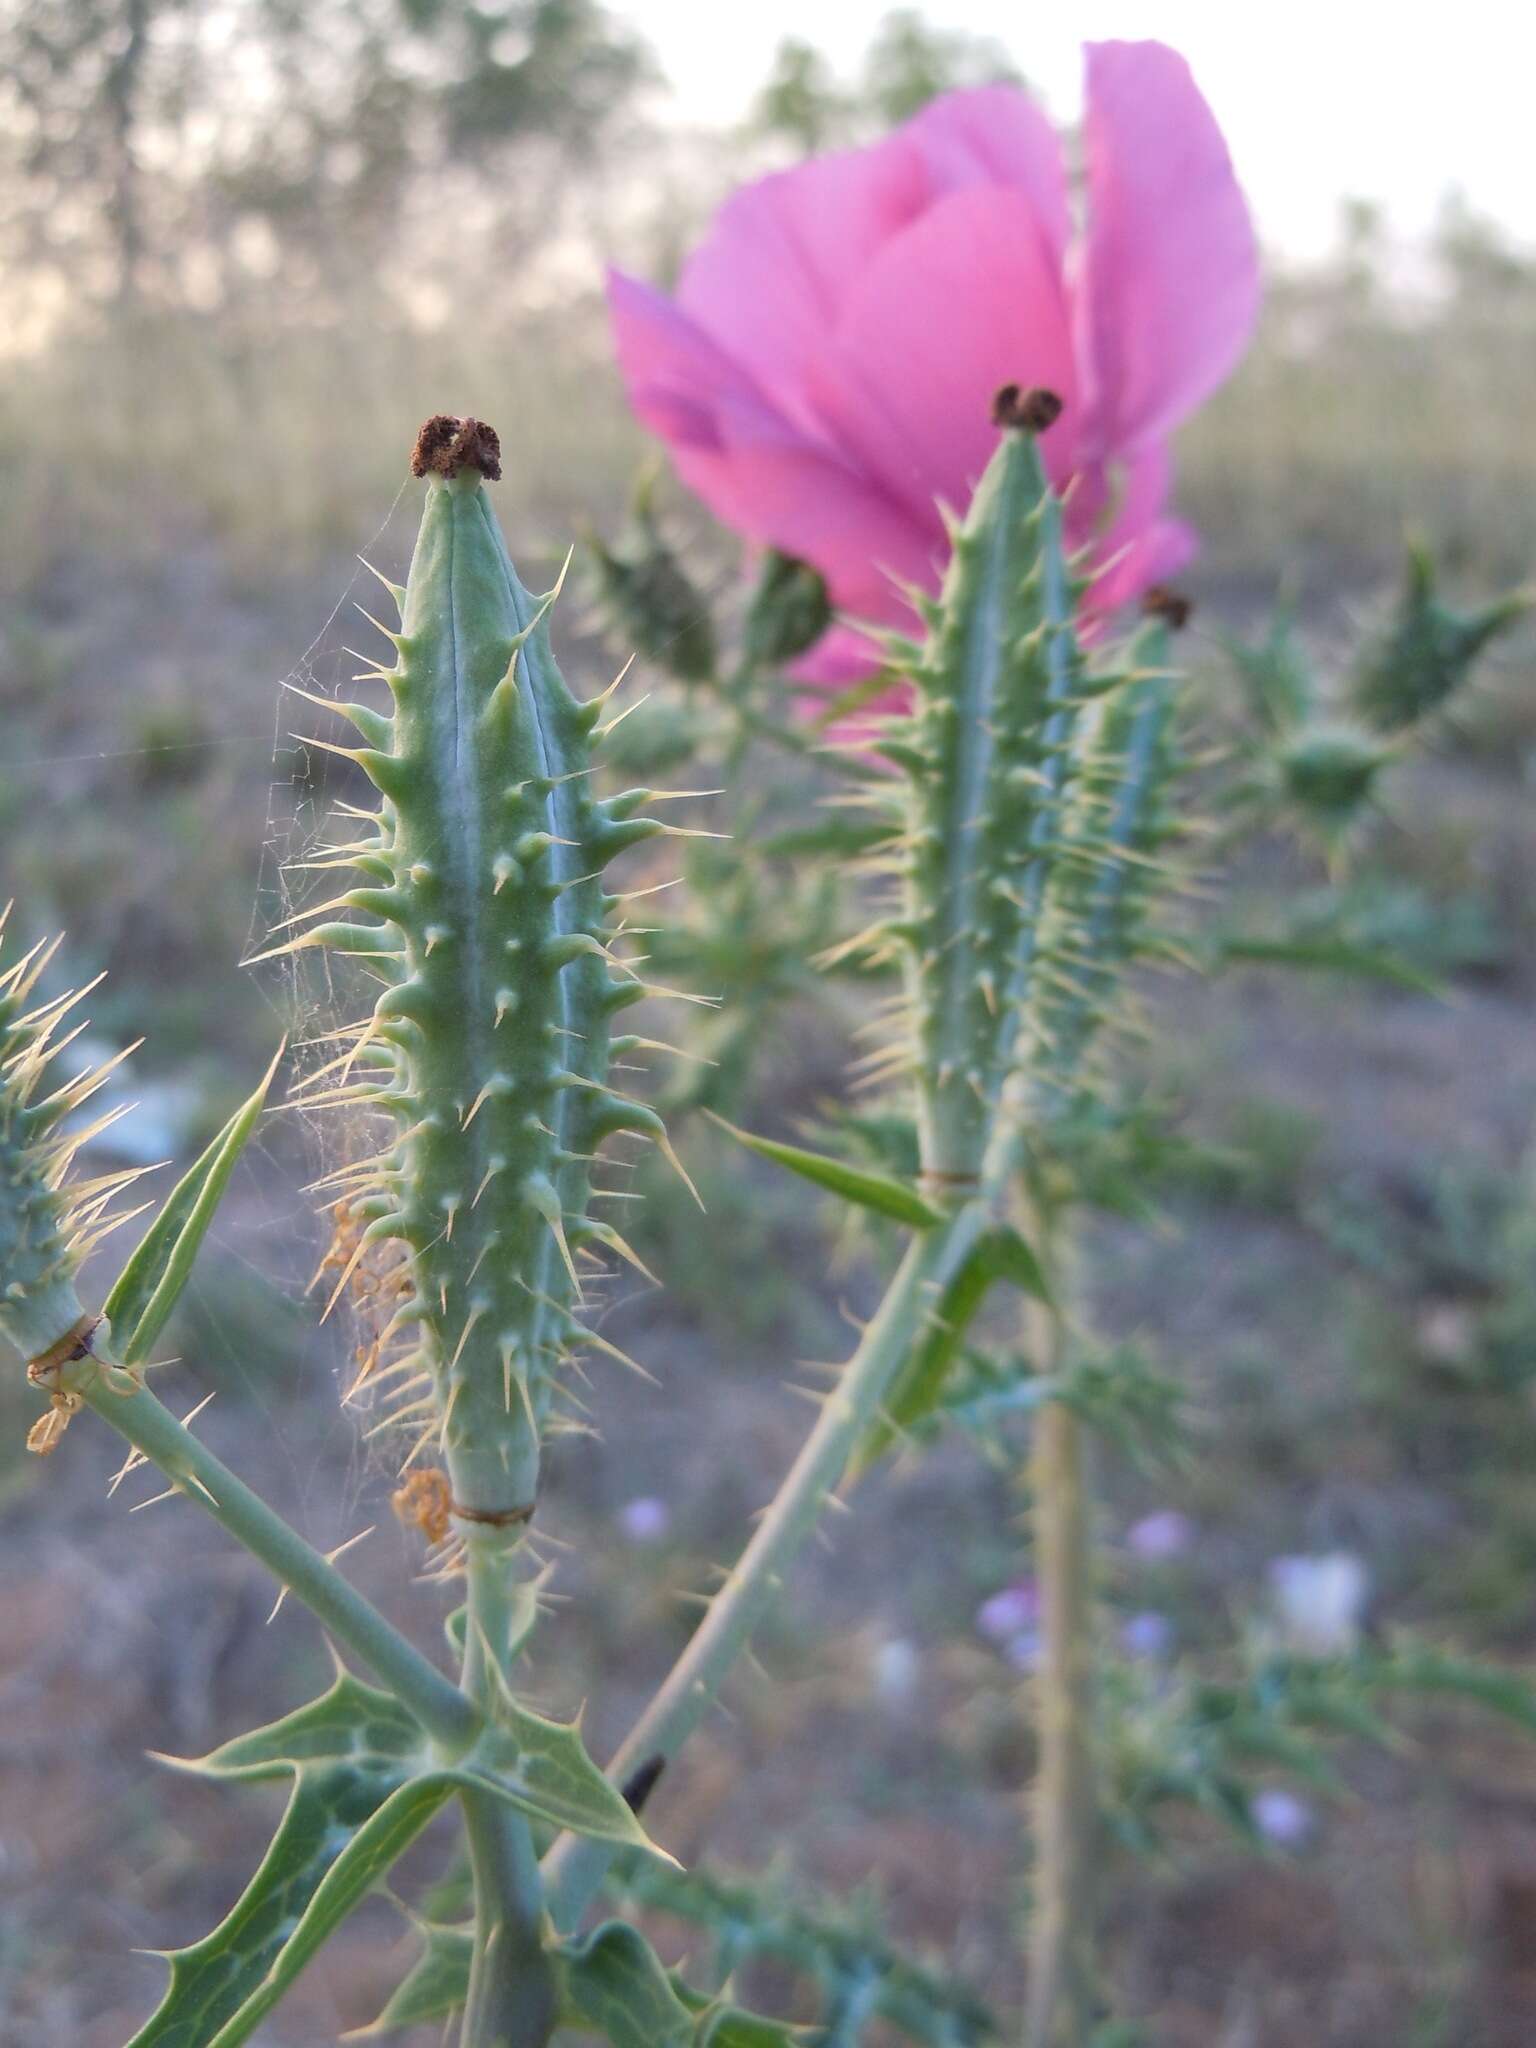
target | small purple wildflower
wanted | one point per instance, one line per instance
(1005, 1613)
(645, 1520)
(1024, 1649)
(1282, 1818)
(1160, 1536)
(1149, 1635)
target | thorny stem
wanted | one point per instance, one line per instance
(575, 1867)
(121, 1401)
(1063, 1996)
(512, 2000)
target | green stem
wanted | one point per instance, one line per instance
(1063, 1997)
(574, 1868)
(512, 2001)
(128, 1407)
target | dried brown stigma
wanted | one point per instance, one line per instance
(1172, 606)
(1031, 407)
(446, 445)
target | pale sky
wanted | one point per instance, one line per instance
(1319, 98)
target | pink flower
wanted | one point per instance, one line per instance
(825, 374)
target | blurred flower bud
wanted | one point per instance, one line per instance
(1425, 651)
(788, 612)
(45, 1228)
(1275, 673)
(647, 599)
(1329, 772)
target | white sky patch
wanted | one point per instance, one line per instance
(1320, 99)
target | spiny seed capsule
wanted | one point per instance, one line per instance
(489, 1047)
(1001, 691)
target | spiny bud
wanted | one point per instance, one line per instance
(647, 597)
(47, 1224)
(1328, 772)
(1276, 674)
(1426, 650)
(788, 612)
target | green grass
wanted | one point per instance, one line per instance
(1350, 419)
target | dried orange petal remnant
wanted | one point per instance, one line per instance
(425, 1502)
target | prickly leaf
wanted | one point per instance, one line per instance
(151, 1283)
(437, 1984)
(362, 1791)
(542, 1767)
(616, 1983)
(880, 1192)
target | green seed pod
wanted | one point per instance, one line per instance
(1001, 691)
(482, 907)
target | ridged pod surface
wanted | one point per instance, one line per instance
(483, 907)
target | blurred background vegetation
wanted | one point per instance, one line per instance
(246, 246)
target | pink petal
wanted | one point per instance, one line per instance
(756, 470)
(679, 380)
(770, 279)
(996, 135)
(843, 655)
(1139, 492)
(811, 503)
(1115, 512)
(965, 300)
(1171, 286)
(1159, 552)
(841, 658)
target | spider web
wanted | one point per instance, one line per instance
(311, 992)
